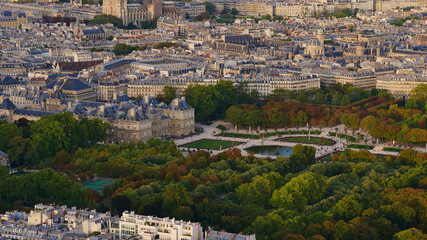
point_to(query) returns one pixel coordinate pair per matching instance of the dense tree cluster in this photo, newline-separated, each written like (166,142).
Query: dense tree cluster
(357,196)
(124,49)
(19,191)
(375,111)
(169,93)
(105,18)
(210,102)
(34,143)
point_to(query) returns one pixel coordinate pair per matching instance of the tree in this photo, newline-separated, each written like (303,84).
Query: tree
(336,98)
(419,94)
(120,203)
(235,115)
(226,96)
(203,100)
(305,189)
(183,213)
(347,12)
(8,131)
(266,17)
(254,118)
(234,11)
(302,118)
(342,231)
(202,17)
(347,208)
(123,49)
(278,18)
(353,120)
(319,98)
(60,159)
(410,234)
(104,19)
(169,94)
(301,157)
(174,196)
(411,104)
(210,8)
(345,100)
(344,120)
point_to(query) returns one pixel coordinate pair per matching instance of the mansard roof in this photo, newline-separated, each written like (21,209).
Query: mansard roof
(73,84)
(179,104)
(34,113)
(93,31)
(7,104)
(8,81)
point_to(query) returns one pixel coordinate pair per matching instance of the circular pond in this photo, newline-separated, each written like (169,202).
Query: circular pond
(271,150)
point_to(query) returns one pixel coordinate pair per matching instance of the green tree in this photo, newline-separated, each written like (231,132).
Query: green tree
(342,231)
(305,189)
(419,94)
(104,19)
(183,213)
(234,11)
(174,196)
(169,94)
(202,17)
(410,234)
(254,118)
(203,100)
(411,104)
(226,96)
(344,120)
(8,131)
(234,115)
(347,208)
(319,98)
(122,49)
(210,8)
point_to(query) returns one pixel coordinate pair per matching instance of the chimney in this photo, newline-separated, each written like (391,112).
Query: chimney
(132,112)
(69,104)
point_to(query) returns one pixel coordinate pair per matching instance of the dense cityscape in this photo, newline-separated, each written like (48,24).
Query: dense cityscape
(213,119)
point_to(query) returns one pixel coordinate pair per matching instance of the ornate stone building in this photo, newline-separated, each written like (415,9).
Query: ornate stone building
(315,47)
(130,121)
(136,13)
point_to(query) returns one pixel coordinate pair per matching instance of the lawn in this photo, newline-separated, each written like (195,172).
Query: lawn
(97,185)
(312,140)
(211,144)
(340,135)
(222,127)
(255,136)
(389,149)
(358,146)
(302,132)
(239,135)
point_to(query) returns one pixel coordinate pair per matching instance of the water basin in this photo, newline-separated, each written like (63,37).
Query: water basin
(271,150)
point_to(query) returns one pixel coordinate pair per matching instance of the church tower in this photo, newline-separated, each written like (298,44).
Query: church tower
(77,27)
(321,36)
(114,7)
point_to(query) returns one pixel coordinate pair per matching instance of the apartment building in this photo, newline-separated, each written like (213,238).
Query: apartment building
(258,9)
(400,85)
(289,10)
(149,227)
